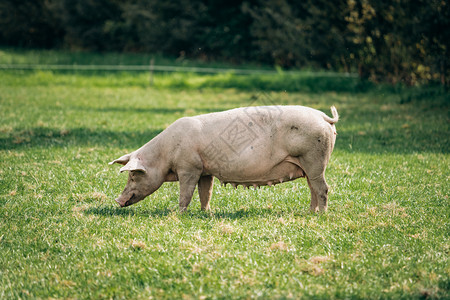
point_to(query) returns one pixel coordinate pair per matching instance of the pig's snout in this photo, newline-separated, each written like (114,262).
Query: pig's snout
(120,202)
(126,203)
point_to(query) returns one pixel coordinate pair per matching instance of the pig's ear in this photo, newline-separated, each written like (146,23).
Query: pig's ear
(123,160)
(134,165)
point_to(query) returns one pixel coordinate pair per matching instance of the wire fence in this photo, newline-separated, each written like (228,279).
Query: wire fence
(160,68)
(164,68)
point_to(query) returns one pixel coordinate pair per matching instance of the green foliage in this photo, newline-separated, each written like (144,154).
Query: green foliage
(30,23)
(393,45)
(384,41)
(386,233)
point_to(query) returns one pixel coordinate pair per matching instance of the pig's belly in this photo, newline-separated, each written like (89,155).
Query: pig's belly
(256,173)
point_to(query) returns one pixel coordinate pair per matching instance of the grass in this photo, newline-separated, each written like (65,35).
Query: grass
(386,234)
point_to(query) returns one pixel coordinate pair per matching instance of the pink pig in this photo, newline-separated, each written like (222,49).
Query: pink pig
(250,146)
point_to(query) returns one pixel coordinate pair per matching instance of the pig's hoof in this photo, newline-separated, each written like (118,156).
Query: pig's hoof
(313,210)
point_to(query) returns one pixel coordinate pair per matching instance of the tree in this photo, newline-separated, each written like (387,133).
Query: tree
(86,23)
(383,40)
(29,23)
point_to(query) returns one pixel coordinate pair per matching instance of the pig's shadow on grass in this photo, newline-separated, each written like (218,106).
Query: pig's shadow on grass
(151,111)
(41,137)
(385,139)
(256,212)
(109,211)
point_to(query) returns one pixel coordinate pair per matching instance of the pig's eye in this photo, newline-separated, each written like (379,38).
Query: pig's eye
(136,175)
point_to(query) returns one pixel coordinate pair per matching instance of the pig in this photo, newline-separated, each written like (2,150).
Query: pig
(249,146)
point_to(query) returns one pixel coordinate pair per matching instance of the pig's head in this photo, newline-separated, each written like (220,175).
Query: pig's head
(143,180)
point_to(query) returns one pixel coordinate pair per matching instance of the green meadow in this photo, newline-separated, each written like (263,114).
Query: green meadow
(385,235)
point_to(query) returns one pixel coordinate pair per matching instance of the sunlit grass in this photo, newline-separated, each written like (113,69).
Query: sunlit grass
(386,234)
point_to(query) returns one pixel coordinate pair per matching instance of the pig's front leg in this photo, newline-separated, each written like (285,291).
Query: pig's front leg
(205,186)
(188,181)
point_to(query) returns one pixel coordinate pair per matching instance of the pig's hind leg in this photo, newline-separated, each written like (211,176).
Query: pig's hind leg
(205,186)
(319,189)
(314,207)
(314,166)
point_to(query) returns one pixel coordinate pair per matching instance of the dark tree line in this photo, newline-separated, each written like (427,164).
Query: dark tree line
(395,41)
